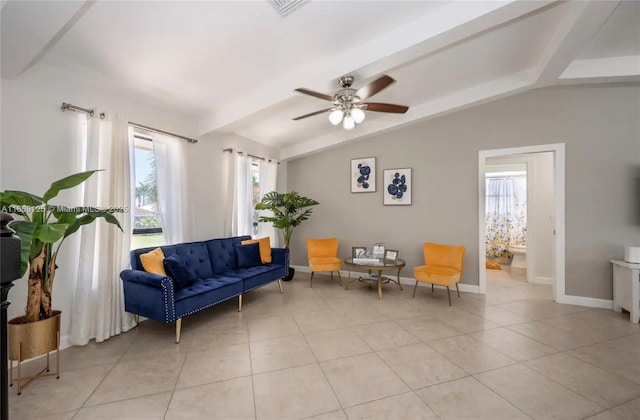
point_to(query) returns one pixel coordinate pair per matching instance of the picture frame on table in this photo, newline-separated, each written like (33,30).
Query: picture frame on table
(363,175)
(391,255)
(378,251)
(397,187)
(358,252)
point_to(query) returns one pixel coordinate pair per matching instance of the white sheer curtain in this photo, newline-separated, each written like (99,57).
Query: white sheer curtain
(243,196)
(98,305)
(228,193)
(506,213)
(268,182)
(173,203)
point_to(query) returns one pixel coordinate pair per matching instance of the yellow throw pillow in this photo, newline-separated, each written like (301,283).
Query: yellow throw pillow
(153,262)
(265,248)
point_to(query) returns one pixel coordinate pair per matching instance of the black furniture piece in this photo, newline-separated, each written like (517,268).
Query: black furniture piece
(9,271)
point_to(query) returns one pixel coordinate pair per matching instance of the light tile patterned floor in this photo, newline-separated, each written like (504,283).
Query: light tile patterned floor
(327,353)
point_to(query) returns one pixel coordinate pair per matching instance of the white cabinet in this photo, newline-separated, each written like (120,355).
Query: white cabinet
(626,288)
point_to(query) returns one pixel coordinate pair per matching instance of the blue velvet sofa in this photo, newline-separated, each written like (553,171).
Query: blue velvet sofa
(218,279)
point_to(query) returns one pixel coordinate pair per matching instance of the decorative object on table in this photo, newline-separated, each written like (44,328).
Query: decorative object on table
(632,254)
(323,257)
(289,211)
(349,104)
(378,251)
(443,266)
(397,187)
(390,254)
(43,226)
(358,251)
(363,175)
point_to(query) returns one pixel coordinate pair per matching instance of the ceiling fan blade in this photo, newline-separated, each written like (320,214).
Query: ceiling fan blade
(314,93)
(379,107)
(312,114)
(374,87)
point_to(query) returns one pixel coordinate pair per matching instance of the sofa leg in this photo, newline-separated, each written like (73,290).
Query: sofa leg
(449,295)
(178,327)
(136,318)
(340,278)
(458,290)
(280,285)
(311,281)
(414,289)
(431,287)
(239,303)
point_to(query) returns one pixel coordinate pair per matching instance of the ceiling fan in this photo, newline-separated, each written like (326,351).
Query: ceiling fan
(348,106)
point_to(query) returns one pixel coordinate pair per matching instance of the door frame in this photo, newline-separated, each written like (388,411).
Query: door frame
(558,150)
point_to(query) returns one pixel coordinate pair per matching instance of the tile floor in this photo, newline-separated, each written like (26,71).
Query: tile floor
(327,353)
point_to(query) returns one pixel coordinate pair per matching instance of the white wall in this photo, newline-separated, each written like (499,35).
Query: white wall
(36,148)
(207,175)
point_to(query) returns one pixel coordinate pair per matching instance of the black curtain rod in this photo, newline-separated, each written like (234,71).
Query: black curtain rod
(229,149)
(67,106)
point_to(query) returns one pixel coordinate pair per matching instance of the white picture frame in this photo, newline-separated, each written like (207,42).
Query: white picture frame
(363,175)
(397,187)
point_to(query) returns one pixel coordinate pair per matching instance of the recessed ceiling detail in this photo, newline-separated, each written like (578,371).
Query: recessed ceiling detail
(286,7)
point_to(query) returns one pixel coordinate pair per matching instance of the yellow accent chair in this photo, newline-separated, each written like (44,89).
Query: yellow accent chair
(323,257)
(443,266)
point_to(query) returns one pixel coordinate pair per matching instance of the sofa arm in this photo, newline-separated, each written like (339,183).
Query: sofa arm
(149,295)
(143,277)
(280,256)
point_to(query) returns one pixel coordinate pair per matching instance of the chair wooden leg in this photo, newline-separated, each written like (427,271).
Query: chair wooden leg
(239,303)
(414,289)
(178,327)
(311,281)
(280,285)
(332,275)
(340,278)
(458,290)
(449,295)
(432,288)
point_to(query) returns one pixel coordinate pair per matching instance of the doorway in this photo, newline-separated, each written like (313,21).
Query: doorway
(528,240)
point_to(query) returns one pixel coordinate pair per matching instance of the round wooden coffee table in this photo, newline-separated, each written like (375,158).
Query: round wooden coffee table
(379,266)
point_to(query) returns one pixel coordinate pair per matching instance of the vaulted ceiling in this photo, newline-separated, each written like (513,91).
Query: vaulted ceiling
(235,64)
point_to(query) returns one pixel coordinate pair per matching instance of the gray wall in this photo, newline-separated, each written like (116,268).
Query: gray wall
(600,126)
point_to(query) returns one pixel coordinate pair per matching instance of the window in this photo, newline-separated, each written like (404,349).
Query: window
(147,226)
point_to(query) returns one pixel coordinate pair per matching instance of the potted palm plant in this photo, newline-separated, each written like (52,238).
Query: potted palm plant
(288,210)
(42,230)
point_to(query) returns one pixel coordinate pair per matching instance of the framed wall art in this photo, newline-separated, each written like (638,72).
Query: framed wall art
(397,187)
(363,175)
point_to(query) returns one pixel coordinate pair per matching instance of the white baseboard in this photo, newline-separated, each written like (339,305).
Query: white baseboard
(586,301)
(542,280)
(409,281)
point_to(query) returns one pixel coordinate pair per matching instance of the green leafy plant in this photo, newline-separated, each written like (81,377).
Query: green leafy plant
(289,211)
(42,230)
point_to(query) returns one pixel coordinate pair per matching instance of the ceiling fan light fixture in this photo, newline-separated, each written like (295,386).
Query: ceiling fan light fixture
(335,116)
(358,115)
(348,123)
